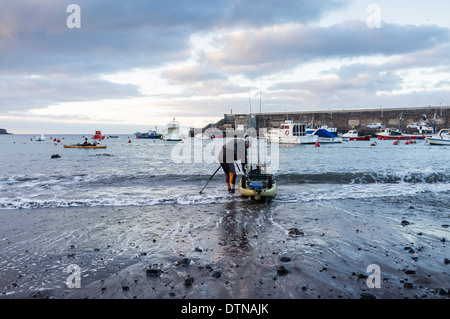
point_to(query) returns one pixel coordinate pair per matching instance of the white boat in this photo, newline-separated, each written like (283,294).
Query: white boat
(440,138)
(291,133)
(40,138)
(202,136)
(353,135)
(324,136)
(172,131)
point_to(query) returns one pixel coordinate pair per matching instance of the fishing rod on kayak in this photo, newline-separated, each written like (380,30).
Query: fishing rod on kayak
(210,178)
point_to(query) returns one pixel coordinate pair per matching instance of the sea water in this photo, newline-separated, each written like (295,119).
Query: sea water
(147,172)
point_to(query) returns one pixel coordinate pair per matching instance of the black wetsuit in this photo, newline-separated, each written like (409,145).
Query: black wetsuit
(232,151)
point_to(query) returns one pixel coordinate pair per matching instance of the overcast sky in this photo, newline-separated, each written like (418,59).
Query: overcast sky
(134,64)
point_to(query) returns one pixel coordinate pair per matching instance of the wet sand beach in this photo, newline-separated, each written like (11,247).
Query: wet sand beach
(234,250)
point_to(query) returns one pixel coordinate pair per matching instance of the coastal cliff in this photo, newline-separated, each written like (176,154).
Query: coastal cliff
(3,131)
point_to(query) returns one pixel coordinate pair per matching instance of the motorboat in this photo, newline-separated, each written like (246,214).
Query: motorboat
(389,134)
(353,135)
(40,138)
(440,138)
(172,131)
(324,136)
(291,133)
(98,136)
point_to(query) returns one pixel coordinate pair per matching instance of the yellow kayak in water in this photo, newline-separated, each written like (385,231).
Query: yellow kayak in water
(258,186)
(84,146)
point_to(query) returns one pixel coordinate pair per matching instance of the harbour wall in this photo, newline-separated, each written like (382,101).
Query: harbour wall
(345,120)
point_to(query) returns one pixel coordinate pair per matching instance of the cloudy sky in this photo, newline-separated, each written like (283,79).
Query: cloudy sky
(134,64)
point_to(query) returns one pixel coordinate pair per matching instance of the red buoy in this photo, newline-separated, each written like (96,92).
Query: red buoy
(317,144)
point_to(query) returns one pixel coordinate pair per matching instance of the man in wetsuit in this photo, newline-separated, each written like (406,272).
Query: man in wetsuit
(232,151)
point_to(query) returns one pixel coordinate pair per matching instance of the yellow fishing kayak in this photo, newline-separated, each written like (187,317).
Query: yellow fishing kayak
(257,189)
(84,146)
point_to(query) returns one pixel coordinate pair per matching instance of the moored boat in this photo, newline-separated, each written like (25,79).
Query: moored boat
(149,135)
(291,133)
(440,138)
(353,135)
(389,134)
(324,136)
(40,138)
(98,136)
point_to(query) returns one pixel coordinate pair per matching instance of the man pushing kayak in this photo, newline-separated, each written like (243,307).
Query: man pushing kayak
(234,150)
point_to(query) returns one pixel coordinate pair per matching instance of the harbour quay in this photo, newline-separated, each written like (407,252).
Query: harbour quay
(344,120)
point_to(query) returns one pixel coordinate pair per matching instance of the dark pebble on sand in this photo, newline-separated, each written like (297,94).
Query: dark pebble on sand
(125,288)
(446,261)
(295,232)
(216,274)
(282,270)
(153,272)
(183,262)
(405,223)
(410,272)
(285,259)
(198,249)
(188,281)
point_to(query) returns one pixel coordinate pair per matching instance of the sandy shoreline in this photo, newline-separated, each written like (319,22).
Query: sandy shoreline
(226,251)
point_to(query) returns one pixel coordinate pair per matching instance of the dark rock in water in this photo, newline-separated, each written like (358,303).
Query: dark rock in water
(445,226)
(446,261)
(153,272)
(405,223)
(188,281)
(282,270)
(410,272)
(56,156)
(198,249)
(295,232)
(411,207)
(285,259)
(183,262)
(367,295)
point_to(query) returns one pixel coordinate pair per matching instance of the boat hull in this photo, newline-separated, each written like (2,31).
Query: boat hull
(361,138)
(400,137)
(437,141)
(81,146)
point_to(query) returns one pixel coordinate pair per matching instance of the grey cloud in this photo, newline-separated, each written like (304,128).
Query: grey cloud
(253,52)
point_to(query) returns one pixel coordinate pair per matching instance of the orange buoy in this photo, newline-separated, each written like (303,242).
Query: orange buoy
(317,144)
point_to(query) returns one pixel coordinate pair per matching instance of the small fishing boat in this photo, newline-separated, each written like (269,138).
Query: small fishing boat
(353,135)
(441,138)
(98,136)
(40,138)
(84,146)
(324,136)
(149,135)
(389,134)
